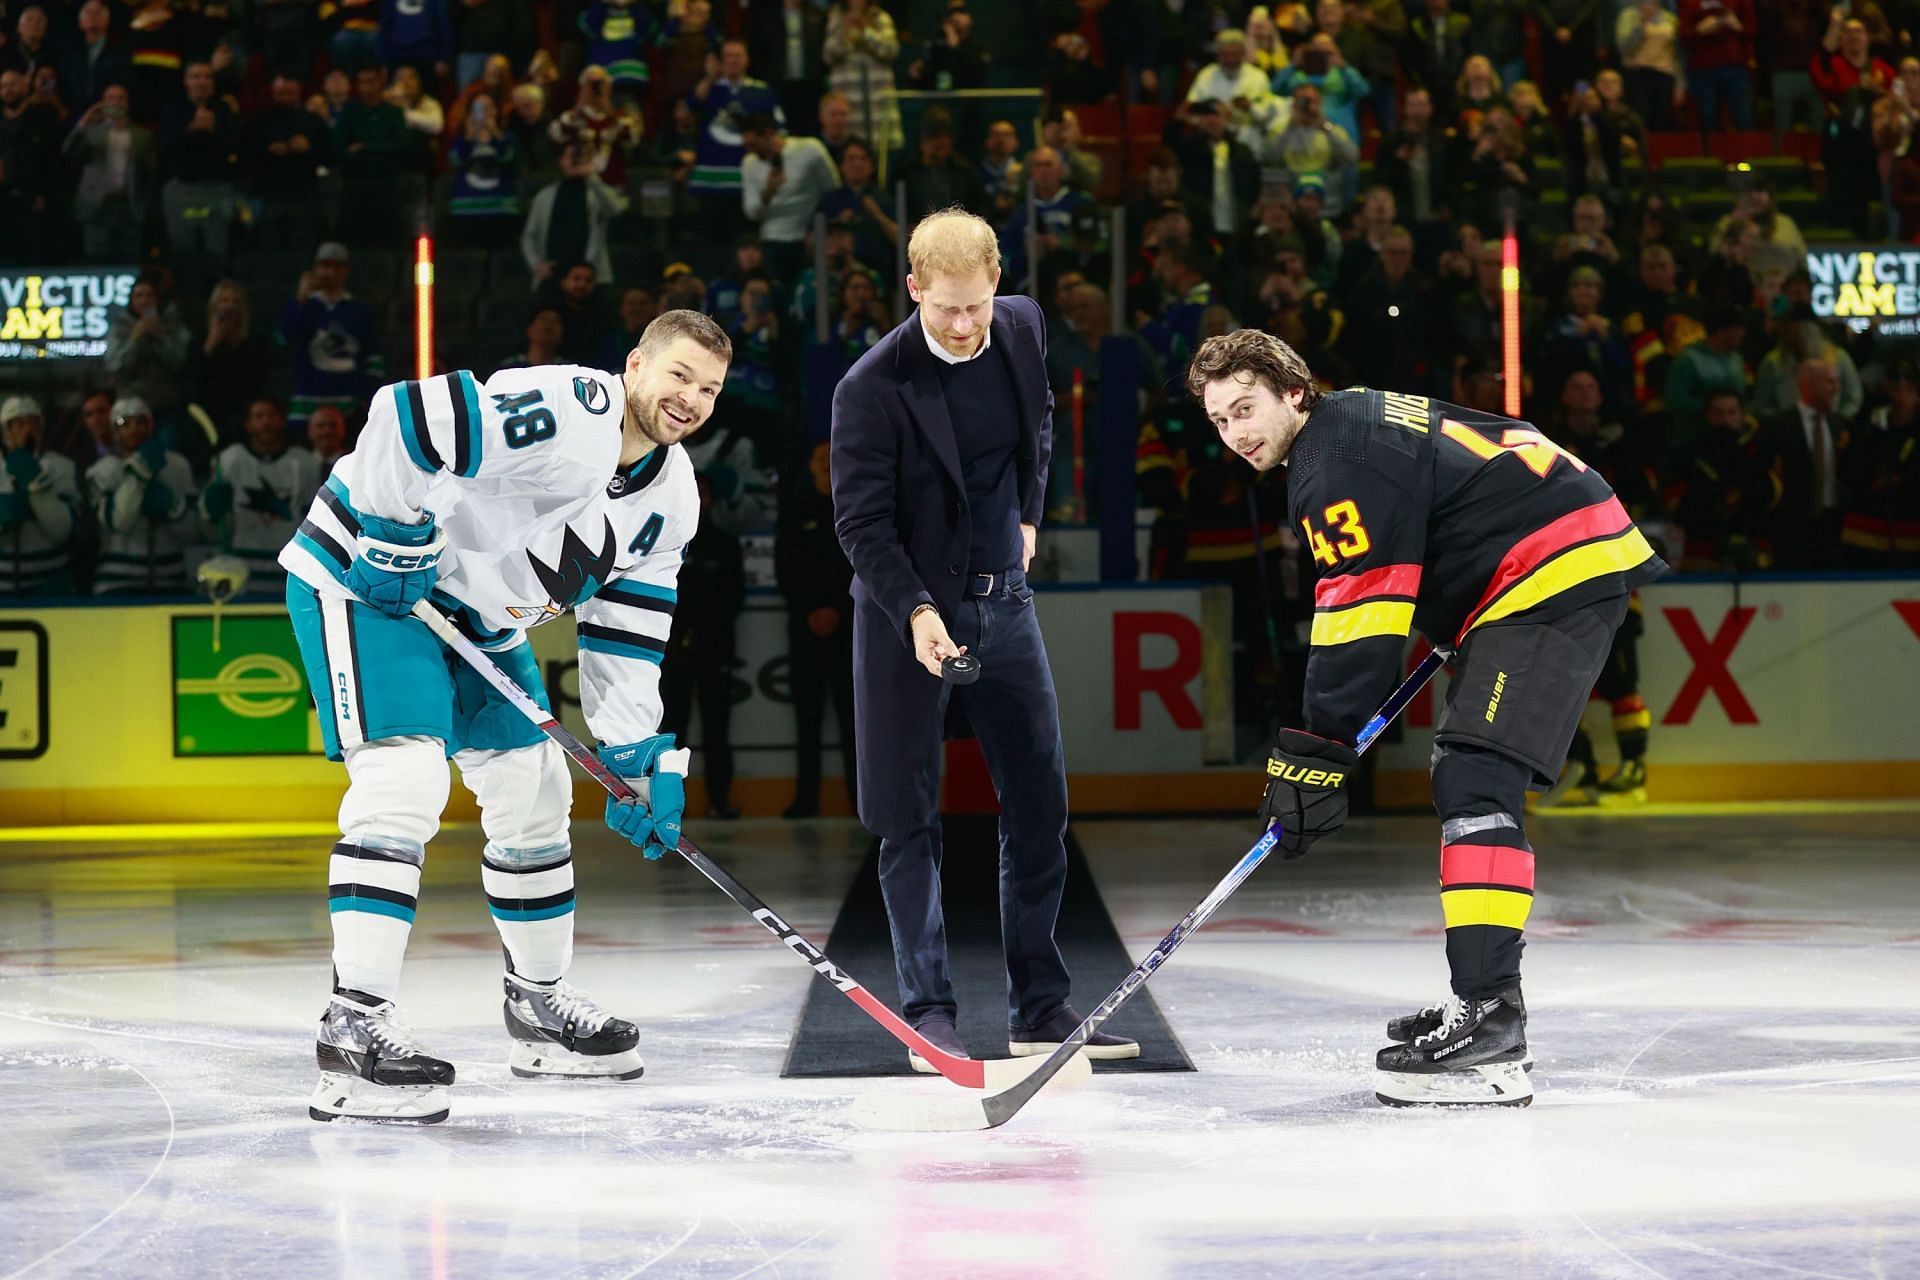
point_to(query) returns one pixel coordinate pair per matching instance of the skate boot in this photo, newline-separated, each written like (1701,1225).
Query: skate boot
(1578,788)
(1407,1029)
(1627,785)
(558,1030)
(1472,1057)
(371,1068)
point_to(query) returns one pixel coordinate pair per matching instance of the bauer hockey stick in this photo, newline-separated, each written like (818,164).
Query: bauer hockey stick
(950,1114)
(971,1073)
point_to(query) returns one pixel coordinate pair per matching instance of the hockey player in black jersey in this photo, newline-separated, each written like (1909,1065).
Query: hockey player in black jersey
(1481,534)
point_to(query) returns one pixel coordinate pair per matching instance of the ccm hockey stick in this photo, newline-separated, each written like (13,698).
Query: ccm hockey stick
(950,1114)
(971,1073)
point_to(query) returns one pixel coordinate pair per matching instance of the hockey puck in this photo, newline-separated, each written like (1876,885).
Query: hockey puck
(961,668)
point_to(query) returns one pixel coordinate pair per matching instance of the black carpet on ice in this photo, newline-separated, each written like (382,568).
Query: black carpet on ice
(836,1038)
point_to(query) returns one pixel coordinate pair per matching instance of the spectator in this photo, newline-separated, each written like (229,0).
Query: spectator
(147,348)
(1001,174)
(259,493)
(813,575)
(619,32)
(700,651)
(1538,133)
(583,314)
(860,51)
(723,292)
(1720,491)
(1392,322)
(862,320)
(840,261)
(567,220)
(1478,314)
(1851,80)
(485,207)
(1727,275)
(1718,35)
(157,40)
(1792,29)
(488,29)
(1630,125)
(117,161)
(421,109)
(1803,443)
(1582,338)
(1313,146)
(1881,479)
(856,204)
(372,142)
(1569,41)
(334,338)
(1163,192)
(97,61)
(1223,177)
(39,496)
(495,84)
(1797,340)
(1590,148)
(1903,194)
(1437,43)
(544,332)
(1649,37)
(417,34)
(30,164)
(286,36)
(199,153)
(1371,42)
(1498,34)
(1781,249)
(230,366)
(1049,211)
(1073,77)
(836,123)
(692,41)
(937,178)
(142,496)
(1060,129)
(530,127)
(29,50)
(595,127)
(638,308)
(782,181)
(1378,215)
(724,97)
(1712,364)
(1475,92)
(1320,63)
(1415,164)
(91,436)
(1498,171)
(785,40)
(287,146)
(1587,244)
(355,38)
(1238,88)
(336,92)
(1894,117)
(1265,49)
(1180,269)
(327,437)
(1657,322)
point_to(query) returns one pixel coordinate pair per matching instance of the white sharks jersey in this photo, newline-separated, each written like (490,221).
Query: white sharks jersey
(523,474)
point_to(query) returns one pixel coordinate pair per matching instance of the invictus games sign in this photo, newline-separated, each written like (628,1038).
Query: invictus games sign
(1866,286)
(59,313)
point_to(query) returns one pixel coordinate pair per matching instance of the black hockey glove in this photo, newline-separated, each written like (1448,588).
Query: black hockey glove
(1307,782)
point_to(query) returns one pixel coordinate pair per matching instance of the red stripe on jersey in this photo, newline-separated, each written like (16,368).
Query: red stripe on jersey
(1388,580)
(1526,555)
(1485,864)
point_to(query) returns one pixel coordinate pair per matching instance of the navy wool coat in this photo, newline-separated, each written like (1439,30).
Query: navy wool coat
(900,509)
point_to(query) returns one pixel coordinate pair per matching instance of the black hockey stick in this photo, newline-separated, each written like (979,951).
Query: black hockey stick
(945,1114)
(971,1073)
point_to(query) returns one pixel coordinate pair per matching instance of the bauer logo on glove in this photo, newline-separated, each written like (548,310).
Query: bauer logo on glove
(1306,792)
(1277,768)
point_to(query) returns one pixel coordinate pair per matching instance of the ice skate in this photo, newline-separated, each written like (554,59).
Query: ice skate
(1472,1057)
(1626,785)
(558,1030)
(1410,1027)
(371,1067)
(1577,788)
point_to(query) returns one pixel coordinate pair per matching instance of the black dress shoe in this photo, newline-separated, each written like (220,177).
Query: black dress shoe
(801,809)
(722,812)
(945,1036)
(1028,1042)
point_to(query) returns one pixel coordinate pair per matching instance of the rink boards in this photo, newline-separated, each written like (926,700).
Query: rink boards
(1757,689)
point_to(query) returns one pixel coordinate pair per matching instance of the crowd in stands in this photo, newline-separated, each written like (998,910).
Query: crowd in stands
(1340,173)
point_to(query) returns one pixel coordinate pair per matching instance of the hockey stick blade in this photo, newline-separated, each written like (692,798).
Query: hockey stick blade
(958,1114)
(969,1073)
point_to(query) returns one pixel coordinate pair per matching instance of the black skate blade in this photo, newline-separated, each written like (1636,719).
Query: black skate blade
(328,1117)
(1462,1102)
(524,1074)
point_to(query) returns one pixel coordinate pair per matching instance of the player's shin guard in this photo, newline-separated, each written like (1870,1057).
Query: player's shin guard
(1631,724)
(1486,866)
(530,893)
(373,890)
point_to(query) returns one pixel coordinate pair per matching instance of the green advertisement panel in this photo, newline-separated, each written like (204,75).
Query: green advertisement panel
(245,697)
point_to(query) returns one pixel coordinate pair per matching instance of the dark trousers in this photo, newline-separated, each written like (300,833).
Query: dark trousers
(1014,714)
(817,665)
(1650,95)
(711,684)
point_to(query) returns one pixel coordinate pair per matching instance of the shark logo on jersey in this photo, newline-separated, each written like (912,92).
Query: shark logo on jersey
(578,574)
(592,395)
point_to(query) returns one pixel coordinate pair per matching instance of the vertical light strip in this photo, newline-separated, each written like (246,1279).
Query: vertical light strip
(1510,316)
(423,315)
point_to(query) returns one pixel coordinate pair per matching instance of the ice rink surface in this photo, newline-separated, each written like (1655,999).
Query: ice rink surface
(1723,1007)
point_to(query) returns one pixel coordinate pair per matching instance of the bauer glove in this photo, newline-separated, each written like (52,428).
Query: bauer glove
(395,565)
(1307,782)
(658,774)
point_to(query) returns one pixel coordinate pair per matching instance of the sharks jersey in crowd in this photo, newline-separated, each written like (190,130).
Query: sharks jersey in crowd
(1423,515)
(266,494)
(523,473)
(39,494)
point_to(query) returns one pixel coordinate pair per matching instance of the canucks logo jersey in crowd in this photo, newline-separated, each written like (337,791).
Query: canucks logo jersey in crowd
(523,473)
(1423,515)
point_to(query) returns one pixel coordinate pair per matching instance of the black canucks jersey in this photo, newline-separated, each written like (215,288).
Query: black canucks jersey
(1421,514)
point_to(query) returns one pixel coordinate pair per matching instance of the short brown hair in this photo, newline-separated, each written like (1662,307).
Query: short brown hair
(1251,355)
(952,242)
(669,325)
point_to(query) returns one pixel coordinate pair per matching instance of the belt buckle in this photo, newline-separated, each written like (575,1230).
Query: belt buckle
(974,587)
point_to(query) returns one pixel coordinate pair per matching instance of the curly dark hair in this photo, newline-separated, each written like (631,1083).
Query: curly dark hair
(1252,355)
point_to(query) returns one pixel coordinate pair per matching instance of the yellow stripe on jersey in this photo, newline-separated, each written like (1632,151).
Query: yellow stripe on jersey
(1562,573)
(1381,618)
(1500,907)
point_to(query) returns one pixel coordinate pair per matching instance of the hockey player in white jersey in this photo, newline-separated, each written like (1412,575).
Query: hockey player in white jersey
(256,488)
(505,503)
